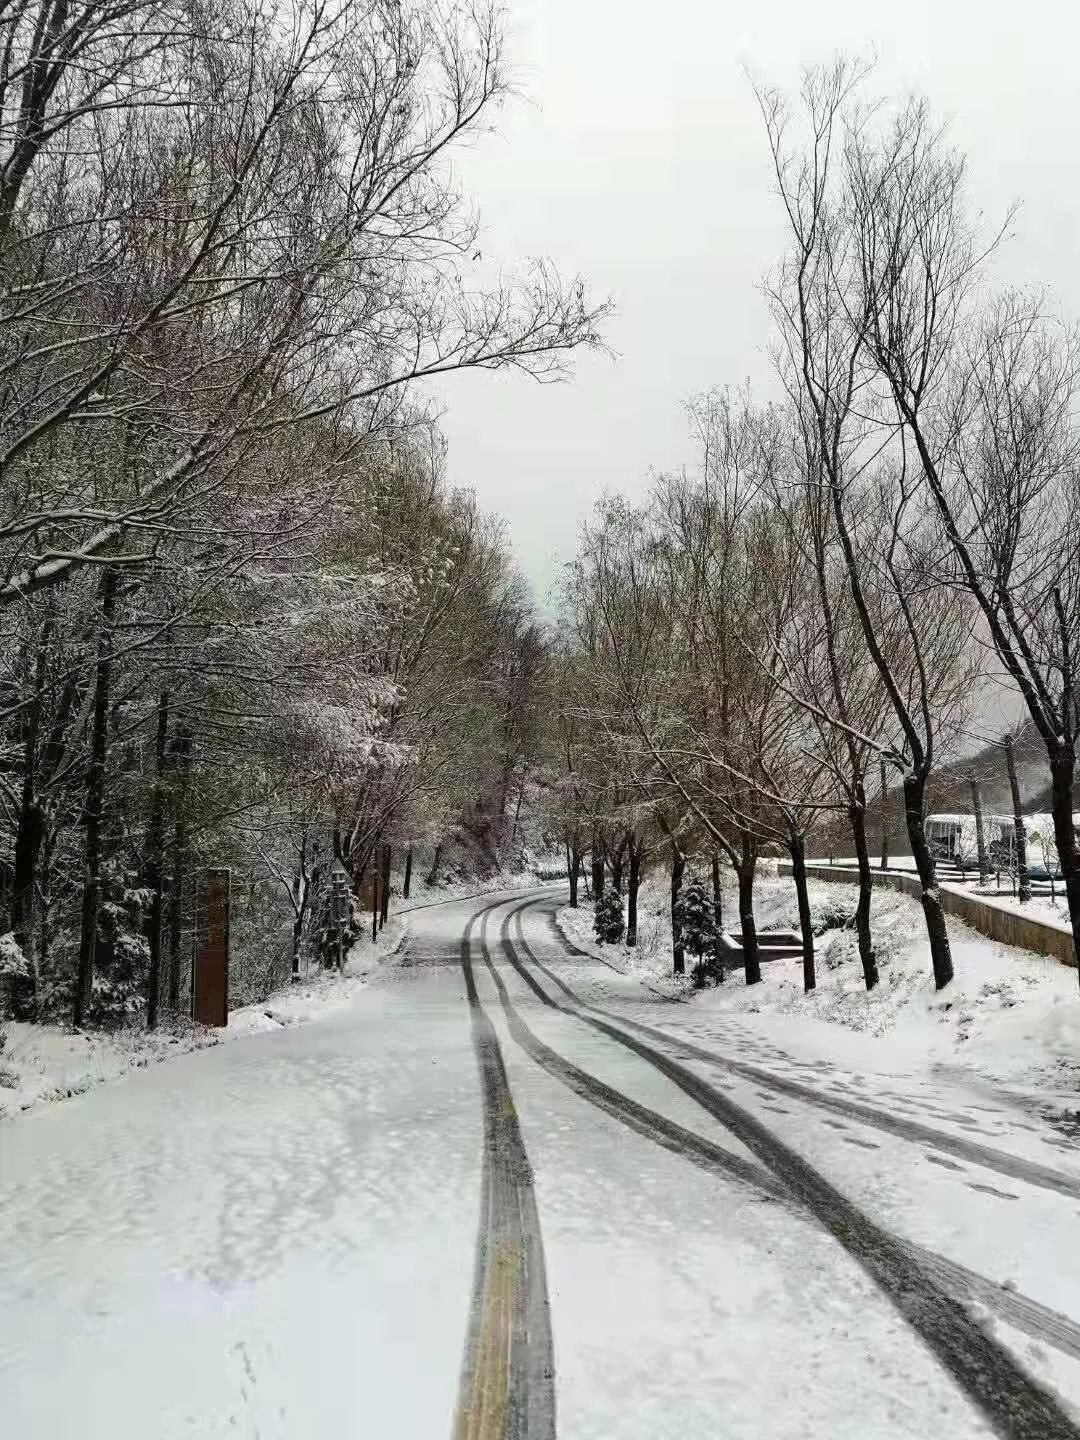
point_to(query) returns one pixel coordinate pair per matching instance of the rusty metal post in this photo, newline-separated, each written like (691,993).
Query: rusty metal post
(210,980)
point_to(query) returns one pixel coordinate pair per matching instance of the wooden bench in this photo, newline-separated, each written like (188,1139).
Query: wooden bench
(772,945)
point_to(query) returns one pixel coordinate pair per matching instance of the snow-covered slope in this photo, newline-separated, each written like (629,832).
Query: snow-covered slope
(1009,1014)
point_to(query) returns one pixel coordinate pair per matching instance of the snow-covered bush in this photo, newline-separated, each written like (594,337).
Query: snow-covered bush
(550,866)
(842,948)
(608,924)
(12,960)
(122,954)
(119,990)
(13,971)
(830,915)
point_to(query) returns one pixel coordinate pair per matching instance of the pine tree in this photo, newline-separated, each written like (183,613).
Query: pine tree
(608,917)
(699,933)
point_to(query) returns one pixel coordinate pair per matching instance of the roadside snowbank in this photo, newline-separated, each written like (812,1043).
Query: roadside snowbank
(1009,1014)
(1042,905)
(50,1062)
(650,960)
(1047,901)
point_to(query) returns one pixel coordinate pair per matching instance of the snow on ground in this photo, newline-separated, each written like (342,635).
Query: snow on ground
(1042,905)
(53,1062)
(807,1358)
(278,1238)
(681,1305)
(272,1238)
(1047,897)
(650,959)
(1009,1015)
(838,1092)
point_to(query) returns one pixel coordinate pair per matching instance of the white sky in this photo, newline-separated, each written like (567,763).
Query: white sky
(638,159)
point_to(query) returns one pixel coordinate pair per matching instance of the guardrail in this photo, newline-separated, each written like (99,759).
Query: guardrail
(1010,927)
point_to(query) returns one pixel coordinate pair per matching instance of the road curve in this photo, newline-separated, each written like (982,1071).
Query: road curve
(1014,1405)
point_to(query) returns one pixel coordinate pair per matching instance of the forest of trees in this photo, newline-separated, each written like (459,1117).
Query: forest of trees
(246,623)
(811,615)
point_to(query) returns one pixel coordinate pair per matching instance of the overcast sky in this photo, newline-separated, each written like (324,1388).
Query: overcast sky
(638,160)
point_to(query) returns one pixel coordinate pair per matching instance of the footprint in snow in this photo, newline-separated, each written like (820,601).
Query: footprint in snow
(943,1162)
(992,1190)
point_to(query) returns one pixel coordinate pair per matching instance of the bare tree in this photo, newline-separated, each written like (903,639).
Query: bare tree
(987,403)
(828,313)
(273,240)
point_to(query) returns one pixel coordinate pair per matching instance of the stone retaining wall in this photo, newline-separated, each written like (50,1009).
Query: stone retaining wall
(1008,926)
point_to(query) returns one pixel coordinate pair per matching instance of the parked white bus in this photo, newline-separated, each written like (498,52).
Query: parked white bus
(951,837)
(952,840)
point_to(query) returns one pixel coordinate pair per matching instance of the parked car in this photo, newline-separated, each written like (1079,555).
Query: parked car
(1044,872)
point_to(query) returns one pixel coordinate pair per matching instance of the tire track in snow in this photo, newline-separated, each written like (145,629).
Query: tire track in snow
(1038,1321)
(507,1384)
(1030,1316)
(656,1127)
(1014,1404)
(1022,1313)
(986,1156)
(1033,1319)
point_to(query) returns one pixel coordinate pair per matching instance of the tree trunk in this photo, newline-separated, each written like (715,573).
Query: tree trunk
(182,761)
(95,804)
(631,894)
(44,864)
(597,866)
(572,873)
(433,873)
(29,833)
(1023,883)
(297,939)
(857,816)
(406,882)
(678,868)
(797,848)
(884,828)
(155,863)
(940,953)
(297,936)
(980,831)
(617,871)
(1062,776)
(387,861)
(746,868)
(718,916)
(300,890)
(517,811)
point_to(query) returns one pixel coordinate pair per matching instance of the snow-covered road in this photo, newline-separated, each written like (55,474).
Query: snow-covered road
(510,1192)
